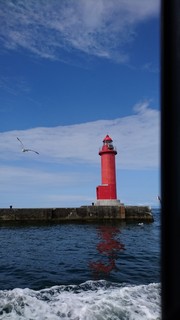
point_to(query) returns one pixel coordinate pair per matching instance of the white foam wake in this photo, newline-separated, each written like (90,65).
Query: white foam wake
(93,300)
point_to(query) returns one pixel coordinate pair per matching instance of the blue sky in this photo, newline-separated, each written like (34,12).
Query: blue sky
(72,72)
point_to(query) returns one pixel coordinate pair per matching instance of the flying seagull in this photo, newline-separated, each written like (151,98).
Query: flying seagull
(25,149)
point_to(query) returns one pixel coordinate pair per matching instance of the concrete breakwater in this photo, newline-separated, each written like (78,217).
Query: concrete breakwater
(84,213)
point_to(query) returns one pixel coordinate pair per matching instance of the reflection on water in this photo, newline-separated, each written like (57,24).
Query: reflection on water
(108,249)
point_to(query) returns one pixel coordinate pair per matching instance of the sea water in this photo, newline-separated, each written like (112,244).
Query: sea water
(80,271)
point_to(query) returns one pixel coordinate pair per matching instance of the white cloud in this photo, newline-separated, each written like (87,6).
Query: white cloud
(99,28)
(136,138)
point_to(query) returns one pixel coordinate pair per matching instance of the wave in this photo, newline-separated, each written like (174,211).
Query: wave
(91,300)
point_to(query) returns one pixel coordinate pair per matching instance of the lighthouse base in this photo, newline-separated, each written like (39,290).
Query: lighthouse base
(112,202)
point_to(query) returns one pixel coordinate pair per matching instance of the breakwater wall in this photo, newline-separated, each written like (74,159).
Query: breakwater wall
(84,213)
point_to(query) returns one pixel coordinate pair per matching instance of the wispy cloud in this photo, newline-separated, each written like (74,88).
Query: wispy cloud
(136,138)
(49,28)
(14,85)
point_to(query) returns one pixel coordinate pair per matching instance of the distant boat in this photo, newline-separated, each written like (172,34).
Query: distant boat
(159,198)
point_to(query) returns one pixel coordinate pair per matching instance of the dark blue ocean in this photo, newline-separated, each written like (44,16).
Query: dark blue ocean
(103,271)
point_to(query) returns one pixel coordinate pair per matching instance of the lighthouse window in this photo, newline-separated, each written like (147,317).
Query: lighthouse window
(110,145)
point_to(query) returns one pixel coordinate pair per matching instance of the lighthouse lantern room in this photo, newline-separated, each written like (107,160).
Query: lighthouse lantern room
(106,192)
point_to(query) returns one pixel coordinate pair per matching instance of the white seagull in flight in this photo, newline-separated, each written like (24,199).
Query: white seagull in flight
(25,149)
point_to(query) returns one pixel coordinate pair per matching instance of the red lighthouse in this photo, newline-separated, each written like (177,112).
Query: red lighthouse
(106,192)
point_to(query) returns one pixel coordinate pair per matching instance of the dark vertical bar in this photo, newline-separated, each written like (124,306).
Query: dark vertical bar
(170,157)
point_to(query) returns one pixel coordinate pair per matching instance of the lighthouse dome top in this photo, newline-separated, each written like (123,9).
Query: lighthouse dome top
(107,146)
(107,138)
